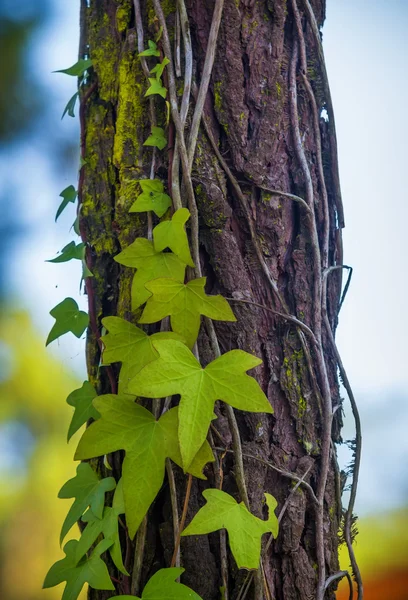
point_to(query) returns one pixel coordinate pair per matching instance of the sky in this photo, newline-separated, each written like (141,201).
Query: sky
(365,45)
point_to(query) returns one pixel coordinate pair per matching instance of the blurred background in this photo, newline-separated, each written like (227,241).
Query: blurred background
(365,46)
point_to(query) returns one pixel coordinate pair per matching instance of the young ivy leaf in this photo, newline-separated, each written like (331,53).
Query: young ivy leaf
(184,303)
(70,107)
(68,195)
(88,490)
(78,68)
(150,264)
(172,234)
(69,252)
(125,425)
(131,346)
(177,371)
(156,87)
(81,400)
(152,198)
(89,570)
(156,138)
(108,526)
(151,51)
(67,317)
(244,529)
(162,585)
(159,68)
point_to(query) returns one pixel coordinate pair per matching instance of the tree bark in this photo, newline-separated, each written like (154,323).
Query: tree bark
(249,112)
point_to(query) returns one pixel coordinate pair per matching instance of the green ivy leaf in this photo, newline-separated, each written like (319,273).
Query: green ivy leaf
(172,234)
(163,585)
(156,138)
(184,303)
(81,400)
(92,570)
(131,346)
(159,68)
(156,88)
(67,317)
(125,425)
(68,195)
(150,264)
(88,490)
(152,198)
(108,526)
(244,529)
(78,68)
(177,371)
(151,51)
(69,252)
(70,107)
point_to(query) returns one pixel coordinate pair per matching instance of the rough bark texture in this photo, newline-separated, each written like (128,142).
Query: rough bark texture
(248,107)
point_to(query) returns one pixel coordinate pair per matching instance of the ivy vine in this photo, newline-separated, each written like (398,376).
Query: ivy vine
(159,365)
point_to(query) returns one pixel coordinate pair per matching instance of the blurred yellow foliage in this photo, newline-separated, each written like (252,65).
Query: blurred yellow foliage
(33,390)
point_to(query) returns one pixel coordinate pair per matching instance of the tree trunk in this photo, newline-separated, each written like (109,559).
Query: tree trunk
(257,248)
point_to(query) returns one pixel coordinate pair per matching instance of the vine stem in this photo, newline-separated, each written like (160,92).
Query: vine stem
(174,508)
(138,558)
(357,458)
(182,521)
(205,79)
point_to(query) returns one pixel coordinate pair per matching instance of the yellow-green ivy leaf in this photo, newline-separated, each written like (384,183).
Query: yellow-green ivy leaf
(67,317)
(131,346)
(172,234)
(152,198)
(150,264)
(90,570)
(151,51)
(184,303)
(156,87)
(163,586)
(156,138)
(70,107)
(78,68)
(88,490)
(159,68)
(108,526)
(70,252)
(81,400)
(244,529)
(125,425)
(177,371)
(68,195)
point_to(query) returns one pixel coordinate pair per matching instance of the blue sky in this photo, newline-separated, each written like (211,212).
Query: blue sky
(365,48)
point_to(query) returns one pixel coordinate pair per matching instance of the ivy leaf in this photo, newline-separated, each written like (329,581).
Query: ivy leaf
(78,68)
(156,87)
(92,570)
(88,490)
(69,252)
(177,371)
(172,234)
(151,51)
(68,195)
(152,198)
(159,68)
(150,264)
(70,107)
(67,317)
(131,346)
(244,529)
(156,138)
(125,425)
(108,526)
(184,303)
(81,400)
(163,585)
